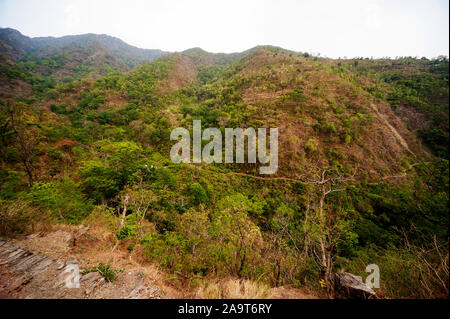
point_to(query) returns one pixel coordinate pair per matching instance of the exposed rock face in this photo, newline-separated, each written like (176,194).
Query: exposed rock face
(350,286)
(24,274)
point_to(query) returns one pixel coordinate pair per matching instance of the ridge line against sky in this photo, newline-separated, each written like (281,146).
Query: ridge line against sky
(347,28)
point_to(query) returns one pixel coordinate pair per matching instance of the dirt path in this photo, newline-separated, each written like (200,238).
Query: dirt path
(289,179)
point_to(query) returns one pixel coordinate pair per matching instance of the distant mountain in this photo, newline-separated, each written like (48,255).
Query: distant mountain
(220,59)
(69,57)
(13,45)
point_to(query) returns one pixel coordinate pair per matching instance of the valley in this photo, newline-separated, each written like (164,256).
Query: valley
(362,178)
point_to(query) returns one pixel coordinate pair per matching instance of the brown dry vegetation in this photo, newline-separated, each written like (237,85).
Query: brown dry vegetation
(382,138)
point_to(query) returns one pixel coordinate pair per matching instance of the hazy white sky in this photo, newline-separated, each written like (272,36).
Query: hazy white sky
(333,28)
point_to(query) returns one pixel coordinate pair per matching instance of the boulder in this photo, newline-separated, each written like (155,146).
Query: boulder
(349,286)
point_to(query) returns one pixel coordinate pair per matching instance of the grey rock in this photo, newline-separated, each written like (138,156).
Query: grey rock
(138,292)
(41,266)
(17,254)
(7,251)
(34,235)
(155,292)
(92,276)
(18,258)
(349,286)
(95,280)
(70,240)
(71,261)
(28,262)
(30,275)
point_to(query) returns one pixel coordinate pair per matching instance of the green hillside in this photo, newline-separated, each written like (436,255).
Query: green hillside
(40,63)
(363,161)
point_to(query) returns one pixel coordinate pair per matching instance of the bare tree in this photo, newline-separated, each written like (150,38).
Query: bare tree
(323,224)
(139,199)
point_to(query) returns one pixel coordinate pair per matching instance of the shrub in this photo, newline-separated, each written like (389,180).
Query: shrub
(329,128)
(63,199)
(299,188)
(311,146)
(165,178)
(11,184)
(106,271)
(90,100)
(197,194)
(126,231)
(60,109)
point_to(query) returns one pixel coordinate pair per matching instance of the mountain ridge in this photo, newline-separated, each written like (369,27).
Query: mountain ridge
(56,59)
(15,37)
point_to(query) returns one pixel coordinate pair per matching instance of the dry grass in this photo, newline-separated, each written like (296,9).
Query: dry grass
(233,289)
(20,217)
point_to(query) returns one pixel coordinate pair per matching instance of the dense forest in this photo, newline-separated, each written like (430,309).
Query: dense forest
(85,128)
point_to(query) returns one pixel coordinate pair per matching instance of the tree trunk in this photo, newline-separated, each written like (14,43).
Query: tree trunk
(29,171)
(124,211)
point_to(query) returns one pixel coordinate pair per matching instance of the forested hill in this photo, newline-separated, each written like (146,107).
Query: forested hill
(44,61)
(362,178)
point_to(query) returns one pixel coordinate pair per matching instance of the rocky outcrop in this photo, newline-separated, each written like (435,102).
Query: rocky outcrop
(24,274)
(349,286)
